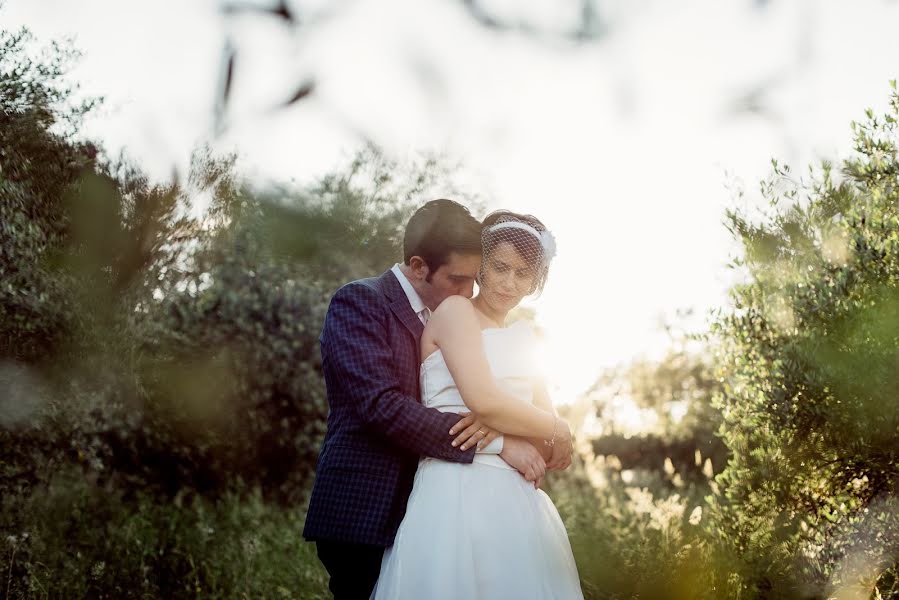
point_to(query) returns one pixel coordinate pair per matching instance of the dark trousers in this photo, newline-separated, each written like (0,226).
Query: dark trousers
(353,568)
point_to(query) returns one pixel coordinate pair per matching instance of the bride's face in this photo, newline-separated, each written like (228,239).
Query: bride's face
(506,277)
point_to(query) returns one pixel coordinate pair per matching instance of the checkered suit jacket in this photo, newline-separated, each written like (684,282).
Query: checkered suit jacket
(377,427)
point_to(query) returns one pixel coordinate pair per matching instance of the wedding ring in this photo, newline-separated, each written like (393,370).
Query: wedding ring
(482,432)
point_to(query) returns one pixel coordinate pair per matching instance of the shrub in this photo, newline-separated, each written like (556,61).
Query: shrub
(77,539)
(810,398)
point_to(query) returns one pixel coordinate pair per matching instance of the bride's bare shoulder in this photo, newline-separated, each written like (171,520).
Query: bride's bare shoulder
(454,308)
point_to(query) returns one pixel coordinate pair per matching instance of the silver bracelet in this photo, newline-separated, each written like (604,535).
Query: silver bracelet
(552,442)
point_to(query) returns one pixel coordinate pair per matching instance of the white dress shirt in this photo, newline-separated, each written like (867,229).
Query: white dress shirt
(415,301)
(424,313)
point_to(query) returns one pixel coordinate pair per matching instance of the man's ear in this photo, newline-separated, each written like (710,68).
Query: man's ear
(419,268)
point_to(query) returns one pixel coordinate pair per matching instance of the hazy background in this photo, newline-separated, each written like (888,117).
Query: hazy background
(543,119)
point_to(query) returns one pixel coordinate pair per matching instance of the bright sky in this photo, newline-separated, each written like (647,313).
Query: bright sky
(622,146)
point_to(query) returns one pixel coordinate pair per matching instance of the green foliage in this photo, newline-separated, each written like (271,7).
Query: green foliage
(76,539)
(634,501)
(38,163)
(810,396)
(640,537)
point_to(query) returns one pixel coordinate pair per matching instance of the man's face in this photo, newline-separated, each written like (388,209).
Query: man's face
(454,278)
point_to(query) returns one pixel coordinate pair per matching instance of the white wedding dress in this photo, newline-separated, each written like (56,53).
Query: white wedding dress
(479,530)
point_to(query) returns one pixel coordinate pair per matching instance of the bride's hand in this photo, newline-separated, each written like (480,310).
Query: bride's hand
(472,432)
(522,456)
(561,449)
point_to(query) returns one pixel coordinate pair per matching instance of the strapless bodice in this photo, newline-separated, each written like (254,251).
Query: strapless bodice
(510,354)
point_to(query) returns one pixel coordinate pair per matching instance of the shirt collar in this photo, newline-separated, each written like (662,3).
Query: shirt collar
(411,294)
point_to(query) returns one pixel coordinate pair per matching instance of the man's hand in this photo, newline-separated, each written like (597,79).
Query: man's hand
(472,432)
(562,448)
(523,457)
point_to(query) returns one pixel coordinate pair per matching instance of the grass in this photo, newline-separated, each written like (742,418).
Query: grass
(77,540)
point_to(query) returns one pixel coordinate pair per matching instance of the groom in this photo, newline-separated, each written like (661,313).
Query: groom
(377,427)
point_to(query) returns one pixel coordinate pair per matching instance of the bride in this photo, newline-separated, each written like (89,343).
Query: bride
(483,530)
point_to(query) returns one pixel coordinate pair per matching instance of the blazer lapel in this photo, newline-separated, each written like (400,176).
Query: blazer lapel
(404,313)
(400,306)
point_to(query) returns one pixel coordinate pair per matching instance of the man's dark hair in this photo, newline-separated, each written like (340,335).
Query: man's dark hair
(439,228)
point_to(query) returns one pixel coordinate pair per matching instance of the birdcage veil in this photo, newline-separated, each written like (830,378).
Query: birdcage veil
(530,239)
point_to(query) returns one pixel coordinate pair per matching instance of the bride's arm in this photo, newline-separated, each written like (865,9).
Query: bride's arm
(457,333)
(557,459)
(543,402)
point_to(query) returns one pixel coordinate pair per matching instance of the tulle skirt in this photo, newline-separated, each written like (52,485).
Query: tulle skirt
(478,531)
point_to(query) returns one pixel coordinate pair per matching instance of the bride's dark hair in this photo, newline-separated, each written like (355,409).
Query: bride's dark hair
(529,247)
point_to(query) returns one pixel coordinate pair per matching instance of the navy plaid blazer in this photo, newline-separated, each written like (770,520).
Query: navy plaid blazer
(377,426)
